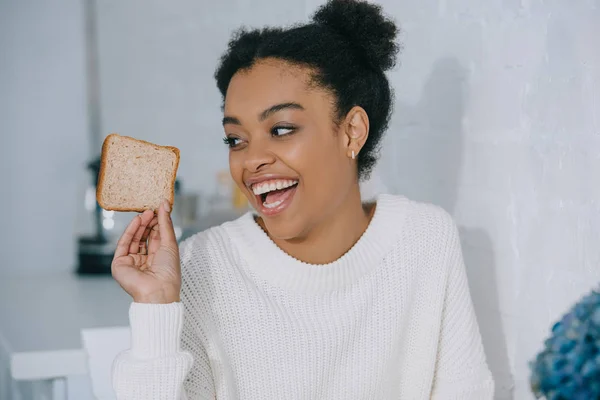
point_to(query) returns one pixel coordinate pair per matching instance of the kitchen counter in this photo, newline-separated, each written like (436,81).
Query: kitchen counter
(41,319)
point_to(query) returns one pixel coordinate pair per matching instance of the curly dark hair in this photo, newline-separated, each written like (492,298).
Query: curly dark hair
(349,44)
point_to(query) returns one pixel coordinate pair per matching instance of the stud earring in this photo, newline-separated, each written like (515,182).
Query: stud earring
(353,155)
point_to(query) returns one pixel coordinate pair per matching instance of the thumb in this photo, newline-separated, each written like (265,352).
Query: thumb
(165,225)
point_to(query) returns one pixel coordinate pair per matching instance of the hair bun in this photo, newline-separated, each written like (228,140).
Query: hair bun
(364,26)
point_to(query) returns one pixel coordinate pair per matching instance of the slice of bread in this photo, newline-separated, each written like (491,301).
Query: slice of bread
(136,175)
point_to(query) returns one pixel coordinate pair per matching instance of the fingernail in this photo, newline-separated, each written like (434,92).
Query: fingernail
(166,206)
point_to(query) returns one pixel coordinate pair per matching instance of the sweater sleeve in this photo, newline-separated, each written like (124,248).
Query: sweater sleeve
(155,366)
(461,369)
(165,361)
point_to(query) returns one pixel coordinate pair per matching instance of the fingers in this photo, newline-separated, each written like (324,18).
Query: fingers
(165,225)
(127,237)
(154,240)
(138,260)
(149,228)
(148,263)
(144,246)
(136,243)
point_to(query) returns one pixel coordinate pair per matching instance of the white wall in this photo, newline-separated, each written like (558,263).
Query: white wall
(43,128)
(497,119)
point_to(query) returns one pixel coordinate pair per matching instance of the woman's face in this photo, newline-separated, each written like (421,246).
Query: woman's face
(286,153)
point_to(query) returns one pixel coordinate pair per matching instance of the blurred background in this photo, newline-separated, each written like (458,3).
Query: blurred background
(497,119)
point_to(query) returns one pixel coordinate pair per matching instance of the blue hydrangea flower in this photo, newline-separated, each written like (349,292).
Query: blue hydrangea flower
(568,368)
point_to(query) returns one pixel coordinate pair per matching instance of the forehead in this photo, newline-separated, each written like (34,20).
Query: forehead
(270,82)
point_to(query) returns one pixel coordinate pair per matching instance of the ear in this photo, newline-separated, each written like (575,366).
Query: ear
(356,130)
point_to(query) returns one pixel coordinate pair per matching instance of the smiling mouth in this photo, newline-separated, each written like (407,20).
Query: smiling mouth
(272,194)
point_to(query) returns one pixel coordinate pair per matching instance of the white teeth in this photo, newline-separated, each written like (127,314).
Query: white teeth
(272,205)
(265,187)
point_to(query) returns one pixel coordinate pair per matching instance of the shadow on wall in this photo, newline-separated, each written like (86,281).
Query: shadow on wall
(429,147)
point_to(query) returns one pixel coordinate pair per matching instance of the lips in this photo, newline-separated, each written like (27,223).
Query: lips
(272,185)
(273,195)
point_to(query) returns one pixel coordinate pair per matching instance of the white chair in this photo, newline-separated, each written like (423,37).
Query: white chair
(102,346)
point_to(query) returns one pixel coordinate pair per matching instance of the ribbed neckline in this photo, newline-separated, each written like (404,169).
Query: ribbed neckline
(272,264)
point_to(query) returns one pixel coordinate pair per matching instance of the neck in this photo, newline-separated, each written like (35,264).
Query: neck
(333,237)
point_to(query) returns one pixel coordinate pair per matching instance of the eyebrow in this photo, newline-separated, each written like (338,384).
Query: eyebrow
(266,113)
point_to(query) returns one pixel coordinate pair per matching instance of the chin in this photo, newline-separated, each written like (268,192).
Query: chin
(282,228)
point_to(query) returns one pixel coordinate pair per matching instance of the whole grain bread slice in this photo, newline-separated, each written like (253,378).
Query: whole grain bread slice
(136,175)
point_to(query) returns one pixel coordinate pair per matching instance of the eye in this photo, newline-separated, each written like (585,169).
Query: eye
(231,141)
(282,130)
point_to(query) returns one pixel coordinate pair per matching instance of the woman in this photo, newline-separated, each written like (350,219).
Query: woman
(316,295)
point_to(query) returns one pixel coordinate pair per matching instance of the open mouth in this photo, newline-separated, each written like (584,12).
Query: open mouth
(274,193)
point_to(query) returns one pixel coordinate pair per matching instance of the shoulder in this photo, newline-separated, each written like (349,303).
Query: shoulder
(209,253)
(427,229)
(419,216)
(432,219)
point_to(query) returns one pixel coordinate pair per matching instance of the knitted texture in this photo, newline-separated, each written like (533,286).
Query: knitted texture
(390,319)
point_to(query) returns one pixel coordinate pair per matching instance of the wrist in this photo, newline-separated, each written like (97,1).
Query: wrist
(158,297)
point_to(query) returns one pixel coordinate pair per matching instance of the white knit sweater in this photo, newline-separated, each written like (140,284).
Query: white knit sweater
(391,319)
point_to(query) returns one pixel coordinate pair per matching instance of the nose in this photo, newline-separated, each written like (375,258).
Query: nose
(258,157)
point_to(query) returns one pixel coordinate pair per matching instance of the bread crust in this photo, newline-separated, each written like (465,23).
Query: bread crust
(101,174)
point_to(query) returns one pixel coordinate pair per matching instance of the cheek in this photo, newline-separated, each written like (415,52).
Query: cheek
(319,161)
(306,156)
